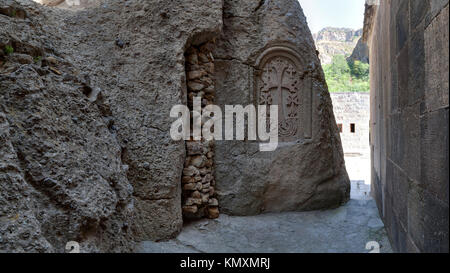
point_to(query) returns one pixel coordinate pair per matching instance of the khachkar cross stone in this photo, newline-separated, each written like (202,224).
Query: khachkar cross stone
(281,82)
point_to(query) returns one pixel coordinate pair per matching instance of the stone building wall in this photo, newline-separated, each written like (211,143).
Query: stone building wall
(353,108)
(409,43)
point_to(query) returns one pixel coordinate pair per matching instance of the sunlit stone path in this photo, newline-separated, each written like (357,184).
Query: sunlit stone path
(344,230)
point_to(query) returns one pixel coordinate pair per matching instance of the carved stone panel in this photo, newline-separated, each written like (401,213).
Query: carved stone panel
(280,80)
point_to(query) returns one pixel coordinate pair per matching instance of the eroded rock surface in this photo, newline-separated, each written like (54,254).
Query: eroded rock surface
(85,98)
(86,93)
(347,229)
(307,171)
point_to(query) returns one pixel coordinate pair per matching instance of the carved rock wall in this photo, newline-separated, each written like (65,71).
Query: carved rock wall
(87,97)
(85,106)
(307,171)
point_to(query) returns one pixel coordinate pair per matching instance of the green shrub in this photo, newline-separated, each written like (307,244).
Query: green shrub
(343,76)
(37,59)
(9,50)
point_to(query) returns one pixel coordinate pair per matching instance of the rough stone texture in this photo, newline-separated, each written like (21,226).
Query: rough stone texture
(49,2)
(85,99)
(86,93)
(70,4)
(199,198)
(344,230)
(409,59)
(64,156)
(303,174)
(337,41)
(360,52)
(353,108)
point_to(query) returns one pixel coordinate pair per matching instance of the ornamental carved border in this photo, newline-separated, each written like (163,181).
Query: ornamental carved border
(280,79)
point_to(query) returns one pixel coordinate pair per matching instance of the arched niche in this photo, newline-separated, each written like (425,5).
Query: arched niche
(280,79)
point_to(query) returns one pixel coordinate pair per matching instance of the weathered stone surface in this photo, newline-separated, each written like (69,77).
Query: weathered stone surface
(332,41)
(17,219)
(360,52)
(213,213)
(199,161)
(349,227)
(409,125)
(307,170)
(86,152)
(90,132)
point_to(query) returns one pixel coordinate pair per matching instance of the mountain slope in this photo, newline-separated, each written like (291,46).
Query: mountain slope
(336,41)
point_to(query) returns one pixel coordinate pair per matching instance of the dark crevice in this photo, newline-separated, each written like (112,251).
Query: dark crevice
(261,3)
(13,12)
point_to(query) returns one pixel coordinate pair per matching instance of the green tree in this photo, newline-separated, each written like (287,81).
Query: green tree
(342,76)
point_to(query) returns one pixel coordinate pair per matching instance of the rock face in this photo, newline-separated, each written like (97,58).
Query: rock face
(85,102)
(336,41)
(360,53)
(337,34)
(61,171)
(307,170)
(86,153)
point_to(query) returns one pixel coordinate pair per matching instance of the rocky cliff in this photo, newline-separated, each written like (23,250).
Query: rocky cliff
(336,41)
(360,52)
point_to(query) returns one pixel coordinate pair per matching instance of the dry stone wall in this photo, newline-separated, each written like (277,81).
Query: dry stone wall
(198,175)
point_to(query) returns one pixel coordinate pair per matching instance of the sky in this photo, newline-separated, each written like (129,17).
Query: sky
(333,13)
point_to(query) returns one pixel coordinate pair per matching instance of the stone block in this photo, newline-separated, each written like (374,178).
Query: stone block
(416,228)
(189,187)
(190,209)
(402,25)
(436,225)
(410,141)
(418,11)
(199,161)
(416,53)
(436,7)
(190,171)
(437,62)
(403,77)
(193,201)
(434,158)
(400,195)
(213,212)
(195,148)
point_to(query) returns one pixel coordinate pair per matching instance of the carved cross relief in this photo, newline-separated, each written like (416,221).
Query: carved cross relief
(280,82)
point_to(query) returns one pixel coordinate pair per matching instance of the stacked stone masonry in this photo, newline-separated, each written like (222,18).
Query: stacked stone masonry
(352,109)
(198,175)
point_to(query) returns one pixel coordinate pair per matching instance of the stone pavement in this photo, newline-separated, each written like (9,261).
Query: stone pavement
(344,230)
